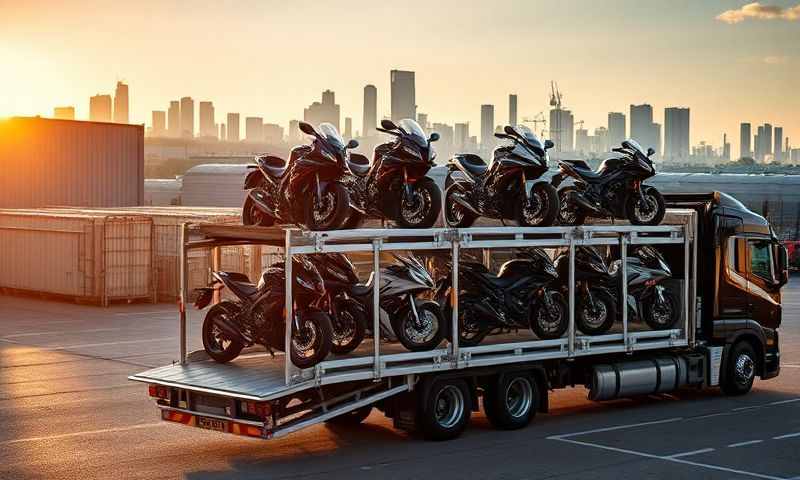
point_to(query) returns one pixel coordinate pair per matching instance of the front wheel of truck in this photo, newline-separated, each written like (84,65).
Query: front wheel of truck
(740,369)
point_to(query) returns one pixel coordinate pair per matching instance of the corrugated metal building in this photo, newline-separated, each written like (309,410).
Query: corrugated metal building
(66,162)
(214,185)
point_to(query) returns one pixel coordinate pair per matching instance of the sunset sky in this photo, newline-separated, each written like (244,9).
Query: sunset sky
(272,58)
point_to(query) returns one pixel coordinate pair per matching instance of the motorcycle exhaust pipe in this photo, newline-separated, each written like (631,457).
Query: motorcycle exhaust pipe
(231,331)
(582,202)
(459,199)
(260,202)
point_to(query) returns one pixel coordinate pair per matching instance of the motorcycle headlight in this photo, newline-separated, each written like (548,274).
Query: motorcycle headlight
(414,152)
(328,156)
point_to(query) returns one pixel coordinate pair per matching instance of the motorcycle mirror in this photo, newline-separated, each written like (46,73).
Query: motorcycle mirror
(548,144)
(388,124)
(509,130)
(650,152)
(353,143)
(307,128)
(434,137)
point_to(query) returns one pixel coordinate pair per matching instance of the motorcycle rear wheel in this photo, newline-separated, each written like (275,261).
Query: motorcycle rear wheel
(216,344)
(455,215)
(252,215)
(568,212)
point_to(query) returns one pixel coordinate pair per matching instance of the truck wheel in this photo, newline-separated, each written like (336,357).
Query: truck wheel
(354,417)
(510,401)
(740,369)
(444,414)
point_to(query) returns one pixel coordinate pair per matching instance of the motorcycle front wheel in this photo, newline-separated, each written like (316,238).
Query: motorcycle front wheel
(253,215)
(662,315)
(328,212)
(217,344)
(422,335)
(311,343)
(423,208)
(540,208)
(547,324)
(568,212)
(649,209)
(598,317)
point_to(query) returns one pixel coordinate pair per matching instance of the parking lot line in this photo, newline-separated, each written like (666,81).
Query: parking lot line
(617,427)
(788,435)
(78,434)
(689,454)
(742,444)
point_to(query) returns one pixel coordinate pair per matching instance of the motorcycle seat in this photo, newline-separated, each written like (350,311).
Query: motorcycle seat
(360,290)
(273,166)
(501,282)
(583,169)
(358,164)
(471,163)
(239,284)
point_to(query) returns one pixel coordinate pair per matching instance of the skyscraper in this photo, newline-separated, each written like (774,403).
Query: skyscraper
(273,133)
(676,135)
(233,127)
(100,108)
(348,128)
(174,119)
(487,127)
(159,123)
(206,114)
(254,129)
(643,130)
(370,110)
(327,111)
(295,135)
(767,139)
(187,117)
(512,109)
(223,132)
(726,148)
(121,103)
(64,113)
(758,144)
(744,140)
(562,129)
(404,100)
(777,149)
(583,143)
(461,135)
(616,129)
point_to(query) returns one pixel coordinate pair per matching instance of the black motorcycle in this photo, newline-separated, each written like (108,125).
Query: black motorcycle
(595,302)
(403,316)
(306,191)
(615,190)
(395,187)
(521,295)
(473,189)
(257,315)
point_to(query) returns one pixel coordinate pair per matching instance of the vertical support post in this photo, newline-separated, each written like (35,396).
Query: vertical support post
(693,325)
(454,349)
(287,250)
(376,306)
(182,295)
(255,263)
(686,267)
(623,252)
(571,330)
(487,258)
(216,266)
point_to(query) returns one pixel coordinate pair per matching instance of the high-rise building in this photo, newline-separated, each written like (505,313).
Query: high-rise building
(348,128)
(512,109)
(327,111)
(174,119)
(273,133)
(758,144)
(562,129)
(487,127)
(64,113)
(223,132)
(100,108)
(159,123)
(444,147)
(777,149)
(254,129)
(643,130)
(583,142)
(744,140)
(600,141)
(422,119)
(460,136)
(233,127)
(676,135)
(295,135)
(404,100)
(795,156)
(370,111)
(206,115)
(767,139)
(121,103)
(616,129)
(187,117)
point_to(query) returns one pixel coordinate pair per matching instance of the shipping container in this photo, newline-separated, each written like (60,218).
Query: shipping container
(66,162)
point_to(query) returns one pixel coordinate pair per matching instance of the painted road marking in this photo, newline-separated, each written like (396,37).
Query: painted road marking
(742,444)
(693,452)
(618,427)
(62,332)
(78,434)
(138,314)
(788,435)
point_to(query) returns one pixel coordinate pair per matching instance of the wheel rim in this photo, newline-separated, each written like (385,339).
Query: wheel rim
(304,341)
(647,210)
(415,209)
(468,329)
(449,405)
(327,208)
(662,312)
(566,214)
(744,369)
(519,397)
(219,342)
(345,330)
(549,323)
(455,213)
(425,331)
(595,316)
(534,210)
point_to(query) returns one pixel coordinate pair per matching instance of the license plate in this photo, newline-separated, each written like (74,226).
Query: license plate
(212,424)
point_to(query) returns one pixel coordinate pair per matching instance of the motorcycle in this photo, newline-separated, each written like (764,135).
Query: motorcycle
(595,302)
(615,190)
(395,186)
(304,190)
(473,189)
(257,315)
(521,295)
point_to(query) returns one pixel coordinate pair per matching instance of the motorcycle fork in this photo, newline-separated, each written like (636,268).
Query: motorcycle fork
(318,200)
(411,301)
(406,186)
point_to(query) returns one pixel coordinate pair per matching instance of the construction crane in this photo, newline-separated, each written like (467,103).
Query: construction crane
(555,95)
(536,120)
(580,124)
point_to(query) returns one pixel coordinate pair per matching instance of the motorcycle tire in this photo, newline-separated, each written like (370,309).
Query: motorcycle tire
(652,197)
(668,318)
(407,331)
(307,352)
(606,306)
(213,339)
(455,215)
(252,215)
(547,198)
(339,209)
(465,339)
(354,220)
(568,212)
(349,326)
(428,212)
(540,320)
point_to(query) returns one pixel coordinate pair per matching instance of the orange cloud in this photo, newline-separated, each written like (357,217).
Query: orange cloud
(760,12)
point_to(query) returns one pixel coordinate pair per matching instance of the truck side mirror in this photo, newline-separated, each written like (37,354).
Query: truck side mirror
(783,265)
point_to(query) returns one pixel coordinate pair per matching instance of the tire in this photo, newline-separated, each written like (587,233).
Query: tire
(444,412)
(546,327)
(600,321)
(547,201)
(354,220)
(510,401)
(467,337)
(659,318)
(352,418)
(337,205)
(426,214)
(654,199)
(214,341)
(252,215)
(348,327)
(568,213)
(313,342)
(741,365)
(420,338)
(456,216)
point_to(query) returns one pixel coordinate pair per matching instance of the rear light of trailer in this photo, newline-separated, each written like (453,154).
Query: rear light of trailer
(158,391)
(260,410)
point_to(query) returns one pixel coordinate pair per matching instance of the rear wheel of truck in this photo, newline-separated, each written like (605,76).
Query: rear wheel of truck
(509,401)
(354,417)
(445,411)
(740,369)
